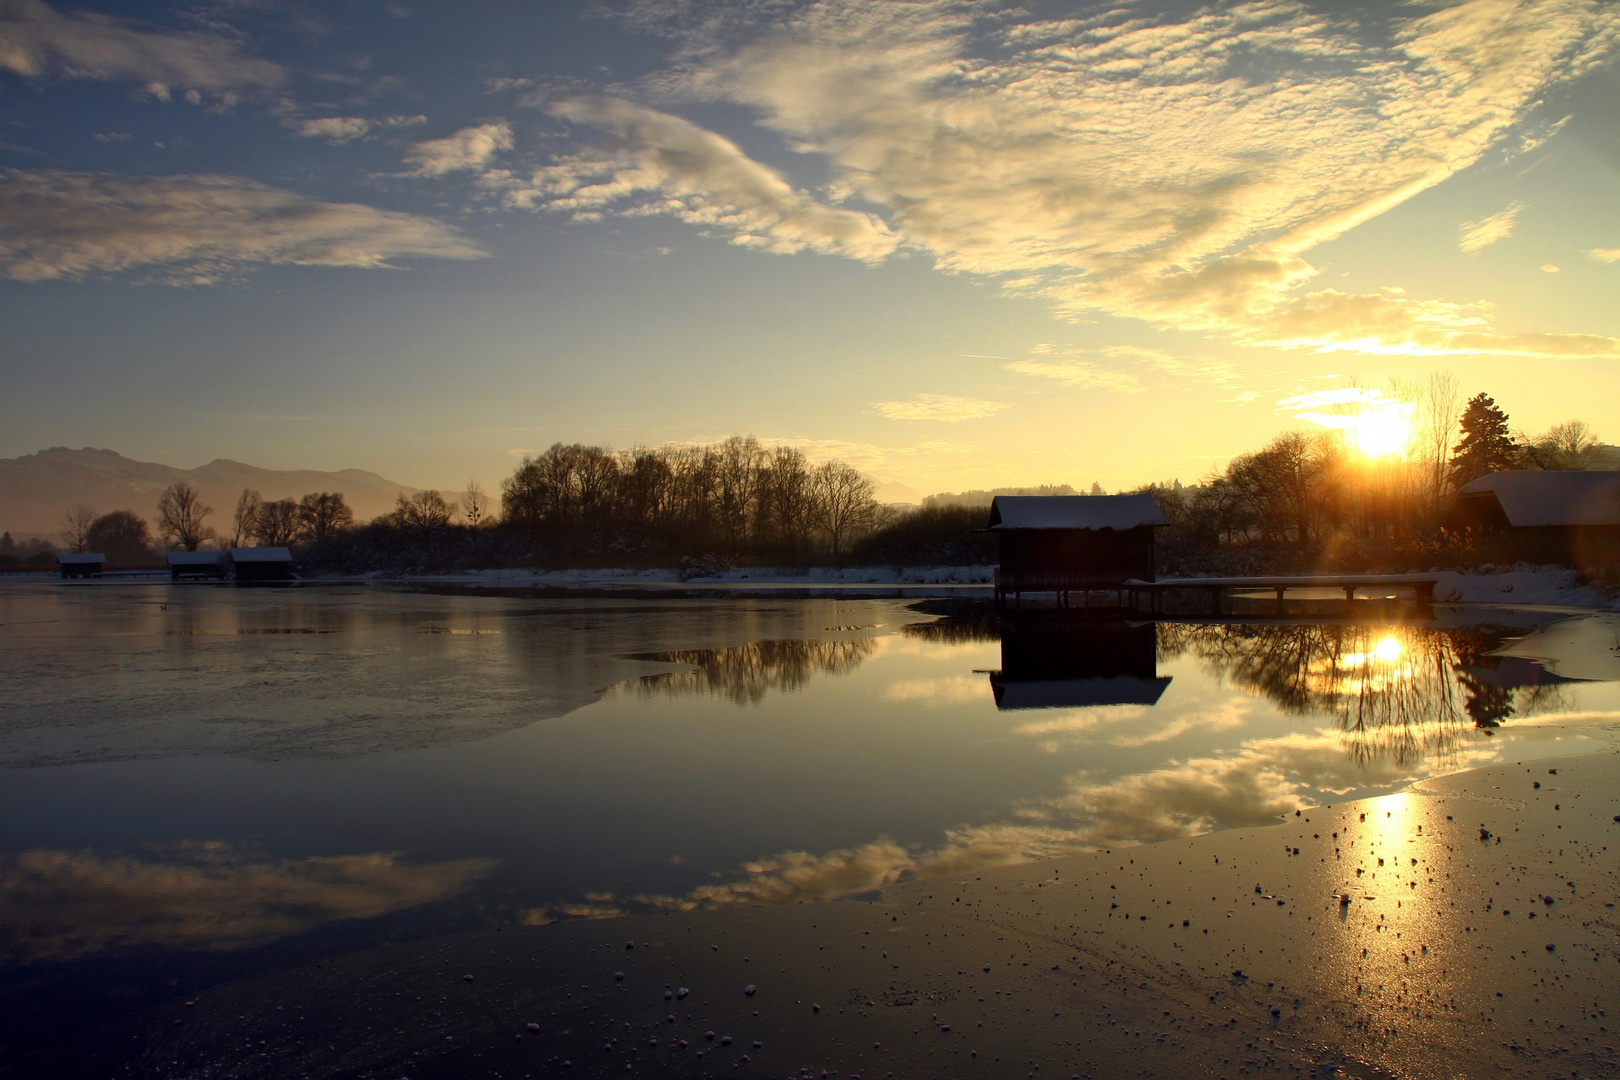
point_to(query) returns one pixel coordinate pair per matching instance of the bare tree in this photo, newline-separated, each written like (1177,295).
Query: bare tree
(1562,446)
(122,536)
(844,503)
(180,517)
(474,504)
(276,523)
(75,530)
(322,516)
(424,510)
(1437,429)
(247,514)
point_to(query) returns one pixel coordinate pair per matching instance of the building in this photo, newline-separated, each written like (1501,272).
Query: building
(1569,517)
(80,565)
(260,564)
(198,564)
(1072,545)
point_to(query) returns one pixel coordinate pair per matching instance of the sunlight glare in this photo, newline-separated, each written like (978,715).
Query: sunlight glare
(1380,432)
(1387,650)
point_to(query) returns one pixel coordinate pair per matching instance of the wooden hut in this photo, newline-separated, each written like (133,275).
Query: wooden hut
(198,564)
(80,564)
(261,564)
(1072,545)
(1569,517)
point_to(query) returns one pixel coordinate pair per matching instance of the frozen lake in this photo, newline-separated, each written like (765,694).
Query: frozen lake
(203,782)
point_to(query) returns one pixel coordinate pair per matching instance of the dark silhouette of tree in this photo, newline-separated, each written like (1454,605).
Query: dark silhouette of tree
(180,517)
(246,516)
(423,511)
(122,536)
(321,516)
(474,504)
(276,524)
(1486,445)
(75,531)
(844,504)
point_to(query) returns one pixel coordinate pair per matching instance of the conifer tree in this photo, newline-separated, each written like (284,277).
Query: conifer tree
(1486,445)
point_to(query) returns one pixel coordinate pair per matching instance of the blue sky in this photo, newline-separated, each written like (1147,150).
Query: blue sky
(959,244)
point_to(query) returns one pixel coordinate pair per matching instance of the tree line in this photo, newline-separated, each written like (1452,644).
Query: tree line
(1302,499)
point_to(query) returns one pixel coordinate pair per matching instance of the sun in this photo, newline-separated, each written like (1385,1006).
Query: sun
(1381,431)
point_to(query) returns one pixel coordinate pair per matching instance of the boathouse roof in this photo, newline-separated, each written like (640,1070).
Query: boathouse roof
(1551,497)
(1075,512)
(261,555)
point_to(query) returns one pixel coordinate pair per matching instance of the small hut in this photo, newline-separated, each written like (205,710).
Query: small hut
(198,564)
(1068,544)
(77,564)
(260,564)
(1570,517)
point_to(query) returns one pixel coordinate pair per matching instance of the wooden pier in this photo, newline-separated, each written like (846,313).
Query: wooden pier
(1149,597)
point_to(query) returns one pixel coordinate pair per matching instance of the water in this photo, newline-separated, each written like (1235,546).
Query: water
(202,782)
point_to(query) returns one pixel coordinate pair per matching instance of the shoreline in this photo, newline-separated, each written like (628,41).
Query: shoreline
(1458,954)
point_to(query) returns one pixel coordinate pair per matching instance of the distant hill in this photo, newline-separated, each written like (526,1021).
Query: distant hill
(983,497)
(37,489)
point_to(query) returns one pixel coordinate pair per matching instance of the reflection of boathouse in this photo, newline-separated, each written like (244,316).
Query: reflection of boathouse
(1070,546)
(1569,517)
(1070,664)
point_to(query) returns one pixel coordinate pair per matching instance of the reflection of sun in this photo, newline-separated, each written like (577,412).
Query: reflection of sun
(1380,432)
(1387,649)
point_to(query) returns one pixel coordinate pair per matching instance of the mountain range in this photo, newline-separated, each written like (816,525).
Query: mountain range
(36,490)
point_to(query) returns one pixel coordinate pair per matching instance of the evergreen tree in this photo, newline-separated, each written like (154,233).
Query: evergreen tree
(1486,446)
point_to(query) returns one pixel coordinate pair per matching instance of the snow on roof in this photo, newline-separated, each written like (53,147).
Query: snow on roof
(196,558)
(76,559)
(261,554)
(1553,497)
(1075,512)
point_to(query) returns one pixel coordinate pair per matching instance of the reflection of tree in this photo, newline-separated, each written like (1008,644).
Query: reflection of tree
(747,673)
(956,630)
(1402,693)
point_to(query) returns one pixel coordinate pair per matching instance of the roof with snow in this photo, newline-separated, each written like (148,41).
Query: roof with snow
(1553,497)
(1075,512)
(70,558)
(261,555)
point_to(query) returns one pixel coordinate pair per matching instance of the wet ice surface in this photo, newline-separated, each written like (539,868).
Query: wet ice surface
(205,782)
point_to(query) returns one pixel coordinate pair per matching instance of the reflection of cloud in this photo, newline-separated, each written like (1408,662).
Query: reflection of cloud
(950,690)
(195,230)
(747,673)
(1160,164)
(468,149)
(36,40)
(1481,234)
(64,904)
(945,407)
(1229,714)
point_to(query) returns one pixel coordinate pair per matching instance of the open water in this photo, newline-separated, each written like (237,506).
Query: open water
(199,782)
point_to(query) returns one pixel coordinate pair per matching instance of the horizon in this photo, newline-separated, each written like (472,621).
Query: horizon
(993,247)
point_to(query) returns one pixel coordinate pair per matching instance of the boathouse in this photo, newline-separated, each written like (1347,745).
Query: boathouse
(1070,546)
(198,564)
(258,564)
(80,564)
(1570,517)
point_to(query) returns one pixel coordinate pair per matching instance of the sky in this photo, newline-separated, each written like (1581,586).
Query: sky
(956,243)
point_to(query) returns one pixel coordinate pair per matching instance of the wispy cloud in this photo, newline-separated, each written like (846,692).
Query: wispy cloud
(37,41)
(945,407)
(342,129)
(1173,168)
(651,162)
(1605,255)
(195,229)
(471,148)
(1109,367)
(1481,234)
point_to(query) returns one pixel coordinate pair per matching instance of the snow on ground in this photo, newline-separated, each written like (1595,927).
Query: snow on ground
(820,575)
(1522,584)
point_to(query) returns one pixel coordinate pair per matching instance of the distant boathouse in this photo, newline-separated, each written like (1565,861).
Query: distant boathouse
(1568,517)
(1070,546)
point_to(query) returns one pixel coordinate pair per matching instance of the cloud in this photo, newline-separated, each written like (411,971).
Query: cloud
(944,407)
(1605,255)
(651,162)
(1549,268)
(1080,367)
(1481,234)
(195,229)
(342,129)
(1170,167)
(59,905)
(36,41)
(334,129)
(469,149)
